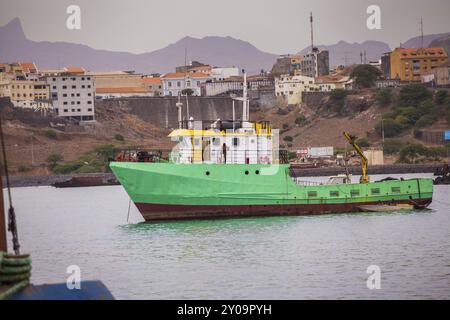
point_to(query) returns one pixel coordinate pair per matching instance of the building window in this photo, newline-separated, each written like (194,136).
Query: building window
(78,102)
(64,94)
(89,102)
(66,110)
(83,86)
(89,86)
(89,109)
(169,83)
(73,110)
(64,87)
(74,87)
(178,84)
(65,102)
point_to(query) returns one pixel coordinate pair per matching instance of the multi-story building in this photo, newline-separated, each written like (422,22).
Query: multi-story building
(386,65)
(26,93)
(174,83)
(118,84)
(154,84)
(219,74)
(73,95)
(316,63)
(291,87)
(410,64)
(194,67)
(287,64)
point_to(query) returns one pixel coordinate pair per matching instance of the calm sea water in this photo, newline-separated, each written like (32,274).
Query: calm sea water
(275,258)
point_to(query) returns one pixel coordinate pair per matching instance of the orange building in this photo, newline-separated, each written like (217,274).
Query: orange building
(410,64)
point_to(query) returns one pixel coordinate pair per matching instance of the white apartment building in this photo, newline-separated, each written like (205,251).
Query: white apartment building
(219,74)
(73,95)
(174,83)
(292,87)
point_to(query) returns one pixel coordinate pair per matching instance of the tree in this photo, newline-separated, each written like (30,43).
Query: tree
(119,137)
(411,152)
(441,95)
(384,97)
(391,128)
(412,95)
(54,158)
(188,92)
(392,146)
(365,75)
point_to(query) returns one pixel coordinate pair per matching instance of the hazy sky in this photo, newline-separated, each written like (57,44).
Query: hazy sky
(276,26)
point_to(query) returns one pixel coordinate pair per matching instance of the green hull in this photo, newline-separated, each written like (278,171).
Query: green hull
(177,191)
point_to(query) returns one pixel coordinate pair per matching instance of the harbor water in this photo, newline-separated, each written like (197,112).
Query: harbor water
(307,257)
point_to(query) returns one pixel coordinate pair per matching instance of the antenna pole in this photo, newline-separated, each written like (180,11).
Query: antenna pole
(312,37)
(421,32)
(244,100)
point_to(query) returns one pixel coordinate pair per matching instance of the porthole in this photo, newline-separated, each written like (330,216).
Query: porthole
(207,173)
(257,172)
(246,171)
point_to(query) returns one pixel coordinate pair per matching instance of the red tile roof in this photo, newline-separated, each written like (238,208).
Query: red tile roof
(73,69)
(414,52)
(151,80)
(28,66)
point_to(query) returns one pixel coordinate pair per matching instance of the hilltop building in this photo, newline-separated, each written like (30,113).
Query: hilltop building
(72,95)
(119,84)
(287,64)
(154,84)
(410,64)
(291,87)
(316,63)
(174,83)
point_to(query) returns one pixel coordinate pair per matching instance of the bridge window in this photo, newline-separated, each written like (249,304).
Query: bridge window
(312,194)
(375,190)
(395,189)
(334,193)
(354,193)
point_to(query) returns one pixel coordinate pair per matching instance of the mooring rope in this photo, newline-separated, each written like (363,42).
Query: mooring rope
(15,273)
(15,270)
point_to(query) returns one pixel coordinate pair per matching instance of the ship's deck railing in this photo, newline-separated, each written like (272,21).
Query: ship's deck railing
(308,183)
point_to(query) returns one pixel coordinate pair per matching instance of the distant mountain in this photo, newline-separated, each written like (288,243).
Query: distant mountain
(344,53)
(443,42)
(220,51)
(416,42)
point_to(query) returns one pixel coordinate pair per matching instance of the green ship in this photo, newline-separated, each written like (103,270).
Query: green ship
(231,169)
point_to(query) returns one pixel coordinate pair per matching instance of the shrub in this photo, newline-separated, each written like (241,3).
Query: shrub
(119,137)
(51,134)
(87,169)
(285,125)
(23,168)
(392,146)
(105,151)
(441,96)
(292,155)
(301,119)
(403,121)
(391,128)
(288,138)
(363,142)
(282,111)
(384,97)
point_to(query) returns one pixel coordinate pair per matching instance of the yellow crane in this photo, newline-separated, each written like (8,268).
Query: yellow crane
(351,140)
